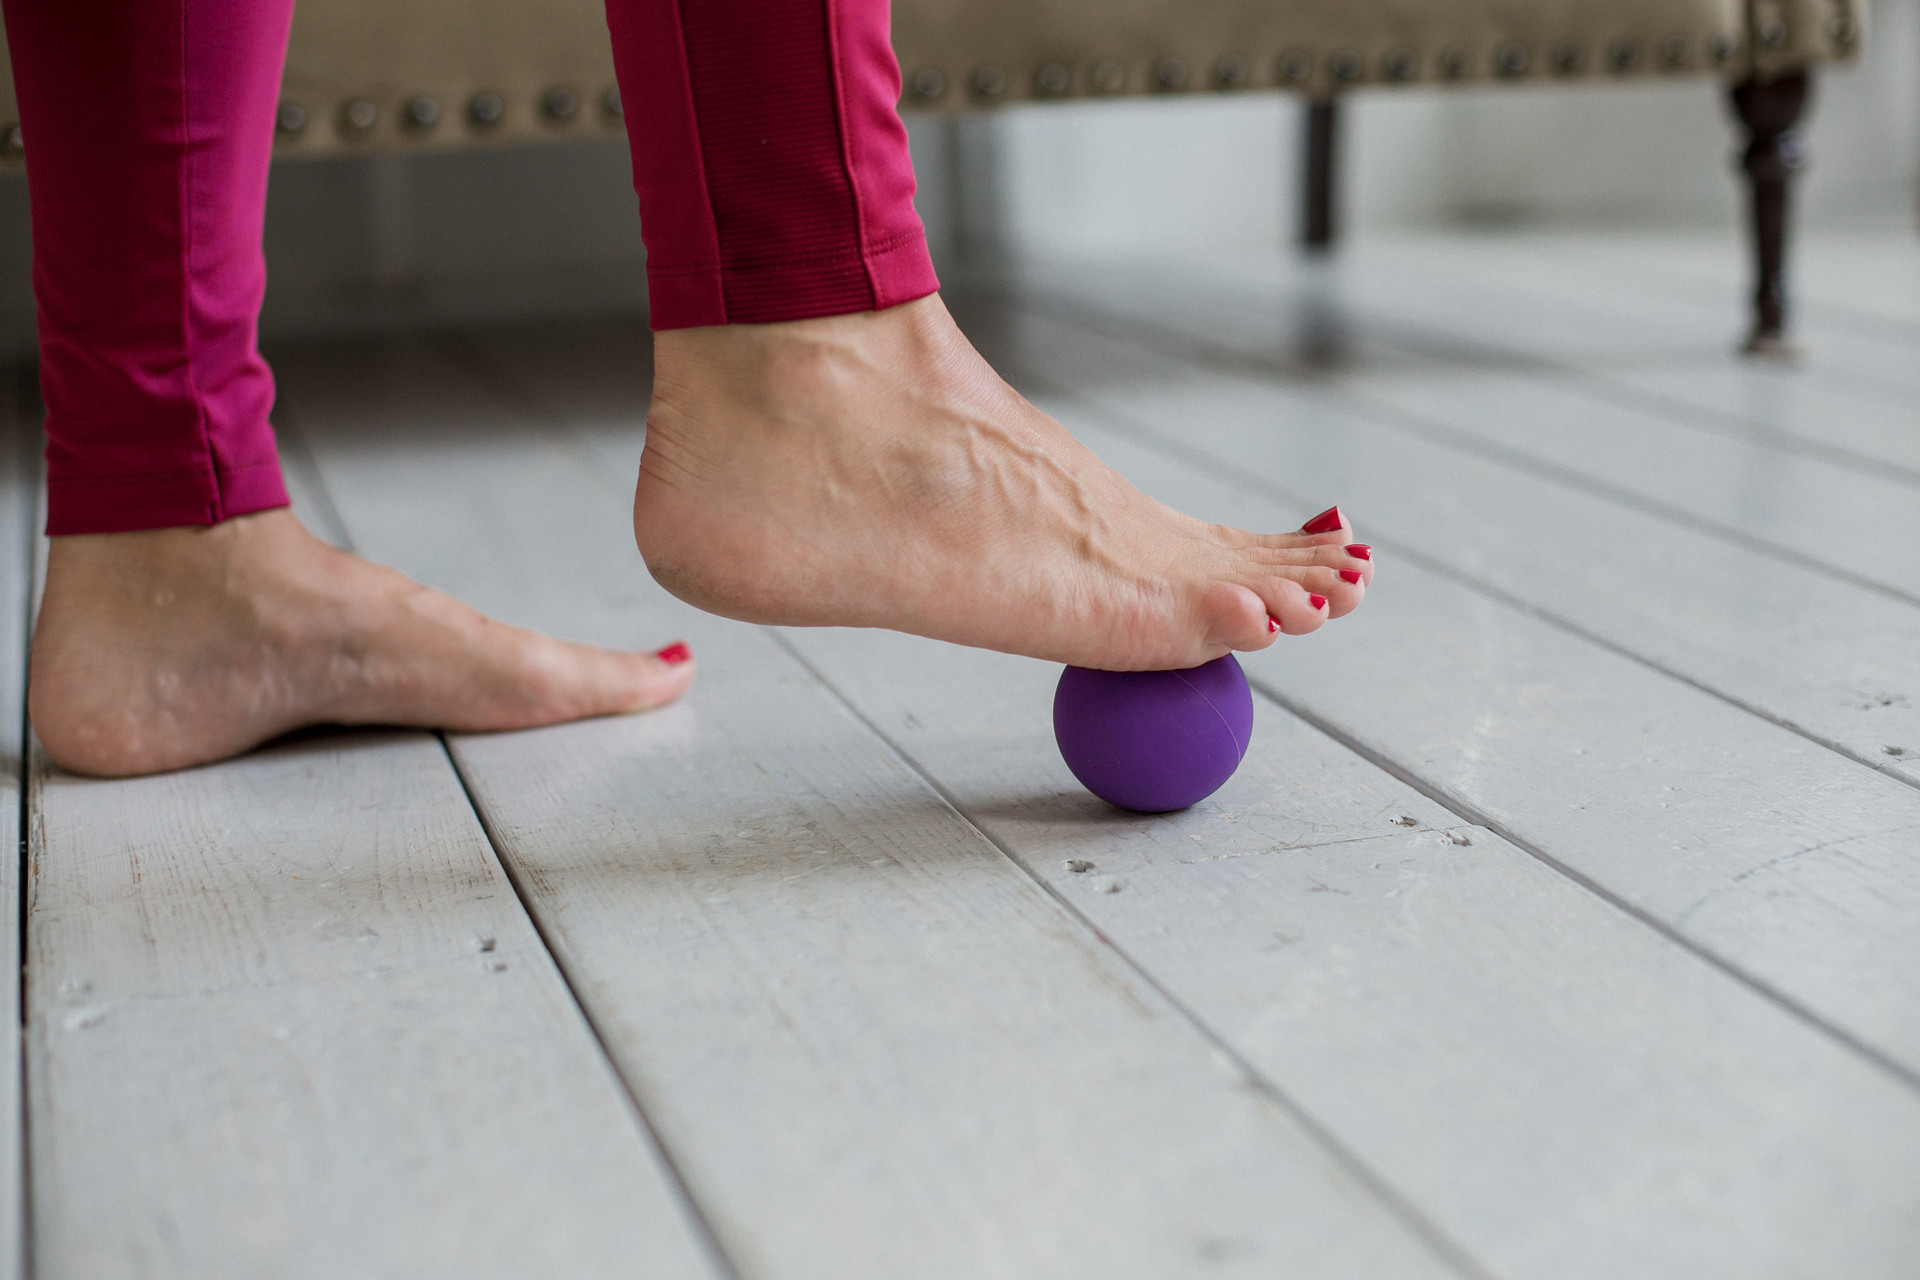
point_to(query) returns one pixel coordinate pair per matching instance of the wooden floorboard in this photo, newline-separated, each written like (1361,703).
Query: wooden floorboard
(1788,861)
(1611,313)
(1398,308)
(1778,635)
(1560,924)
(1497,1041)
(1852,389)
(287,1017)
(1766,496)
(1844,288)
(1309,885)
(1865,427)
(1298,880)
(872,1045)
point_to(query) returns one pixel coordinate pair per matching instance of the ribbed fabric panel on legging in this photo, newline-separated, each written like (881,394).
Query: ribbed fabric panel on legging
(148,127)
(781,115)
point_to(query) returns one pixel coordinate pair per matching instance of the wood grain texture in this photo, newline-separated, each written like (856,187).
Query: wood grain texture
(1441,305)
(1600,305)
(1792,863)
(1501,1044)
(1567,1092)
(872,1045)
(287,1018)
(1767,496)
(1621,336)
(1842,278)
(1782,637)
(1867,425)
(1851,296)
(1615,335)
(19,442)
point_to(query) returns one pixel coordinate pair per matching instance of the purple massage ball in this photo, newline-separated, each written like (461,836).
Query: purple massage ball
(1154,740)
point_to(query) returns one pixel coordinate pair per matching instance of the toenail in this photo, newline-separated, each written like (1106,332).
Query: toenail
(1318,602)
(1273,624)
(675,654)
(1350,575)
(1326,522)
(1359,551)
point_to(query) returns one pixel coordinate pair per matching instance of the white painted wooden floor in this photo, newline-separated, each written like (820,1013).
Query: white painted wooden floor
(1563,922)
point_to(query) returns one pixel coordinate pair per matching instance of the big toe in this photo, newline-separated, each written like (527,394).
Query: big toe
(581,680)
(1246,619)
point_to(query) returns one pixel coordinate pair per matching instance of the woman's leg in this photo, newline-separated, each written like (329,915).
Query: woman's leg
(824,447)
(770,163)
(187,615)
(147,191)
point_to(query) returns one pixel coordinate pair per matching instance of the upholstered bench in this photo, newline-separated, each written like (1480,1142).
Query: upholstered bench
(427,73)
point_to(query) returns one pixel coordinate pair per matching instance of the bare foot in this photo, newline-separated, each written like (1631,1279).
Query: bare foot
(872,471)
(176,647)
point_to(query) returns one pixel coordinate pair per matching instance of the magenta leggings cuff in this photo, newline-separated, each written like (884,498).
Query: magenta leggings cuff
(128,504)
(766,293)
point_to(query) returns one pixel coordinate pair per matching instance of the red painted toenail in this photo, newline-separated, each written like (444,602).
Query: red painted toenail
(1273,624)
(675,654)
(1359,551)
(1326,522)
(1350,575)
(1318,602)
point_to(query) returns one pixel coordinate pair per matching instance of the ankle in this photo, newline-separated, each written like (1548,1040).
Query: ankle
(166,585)
(149,556)
(772,363)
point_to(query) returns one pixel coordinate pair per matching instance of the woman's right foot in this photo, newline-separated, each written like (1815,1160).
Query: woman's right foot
(176,647)
(871,470)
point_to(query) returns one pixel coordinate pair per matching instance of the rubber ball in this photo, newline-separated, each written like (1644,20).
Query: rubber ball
(1154,740)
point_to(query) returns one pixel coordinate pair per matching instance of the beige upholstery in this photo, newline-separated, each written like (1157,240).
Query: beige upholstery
(966,51)
(410,73)
(431,73)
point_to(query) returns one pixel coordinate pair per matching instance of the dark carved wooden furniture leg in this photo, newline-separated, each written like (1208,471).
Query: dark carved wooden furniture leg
(1770,110)
(1317,224)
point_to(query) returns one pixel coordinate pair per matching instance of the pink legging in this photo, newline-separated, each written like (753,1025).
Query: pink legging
(770,163)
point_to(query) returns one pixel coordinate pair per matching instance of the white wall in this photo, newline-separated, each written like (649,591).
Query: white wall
(458,235)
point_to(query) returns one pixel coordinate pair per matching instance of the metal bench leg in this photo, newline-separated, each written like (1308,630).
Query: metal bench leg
(1317,224)
(1770,110)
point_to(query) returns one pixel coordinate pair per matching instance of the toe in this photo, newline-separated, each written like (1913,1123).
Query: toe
(1343,589)
(1293,609)
(667,673)
(1347,562)
(1307,612)
(1328,521)
(585,680)
(1242,619)
(1359,558)
(1327,533)
(1288,576)
(1329,528)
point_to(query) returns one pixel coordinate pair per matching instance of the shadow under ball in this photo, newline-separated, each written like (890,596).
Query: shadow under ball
(1154,741)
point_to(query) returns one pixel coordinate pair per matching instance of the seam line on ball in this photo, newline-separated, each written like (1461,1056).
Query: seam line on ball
(1207,702)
